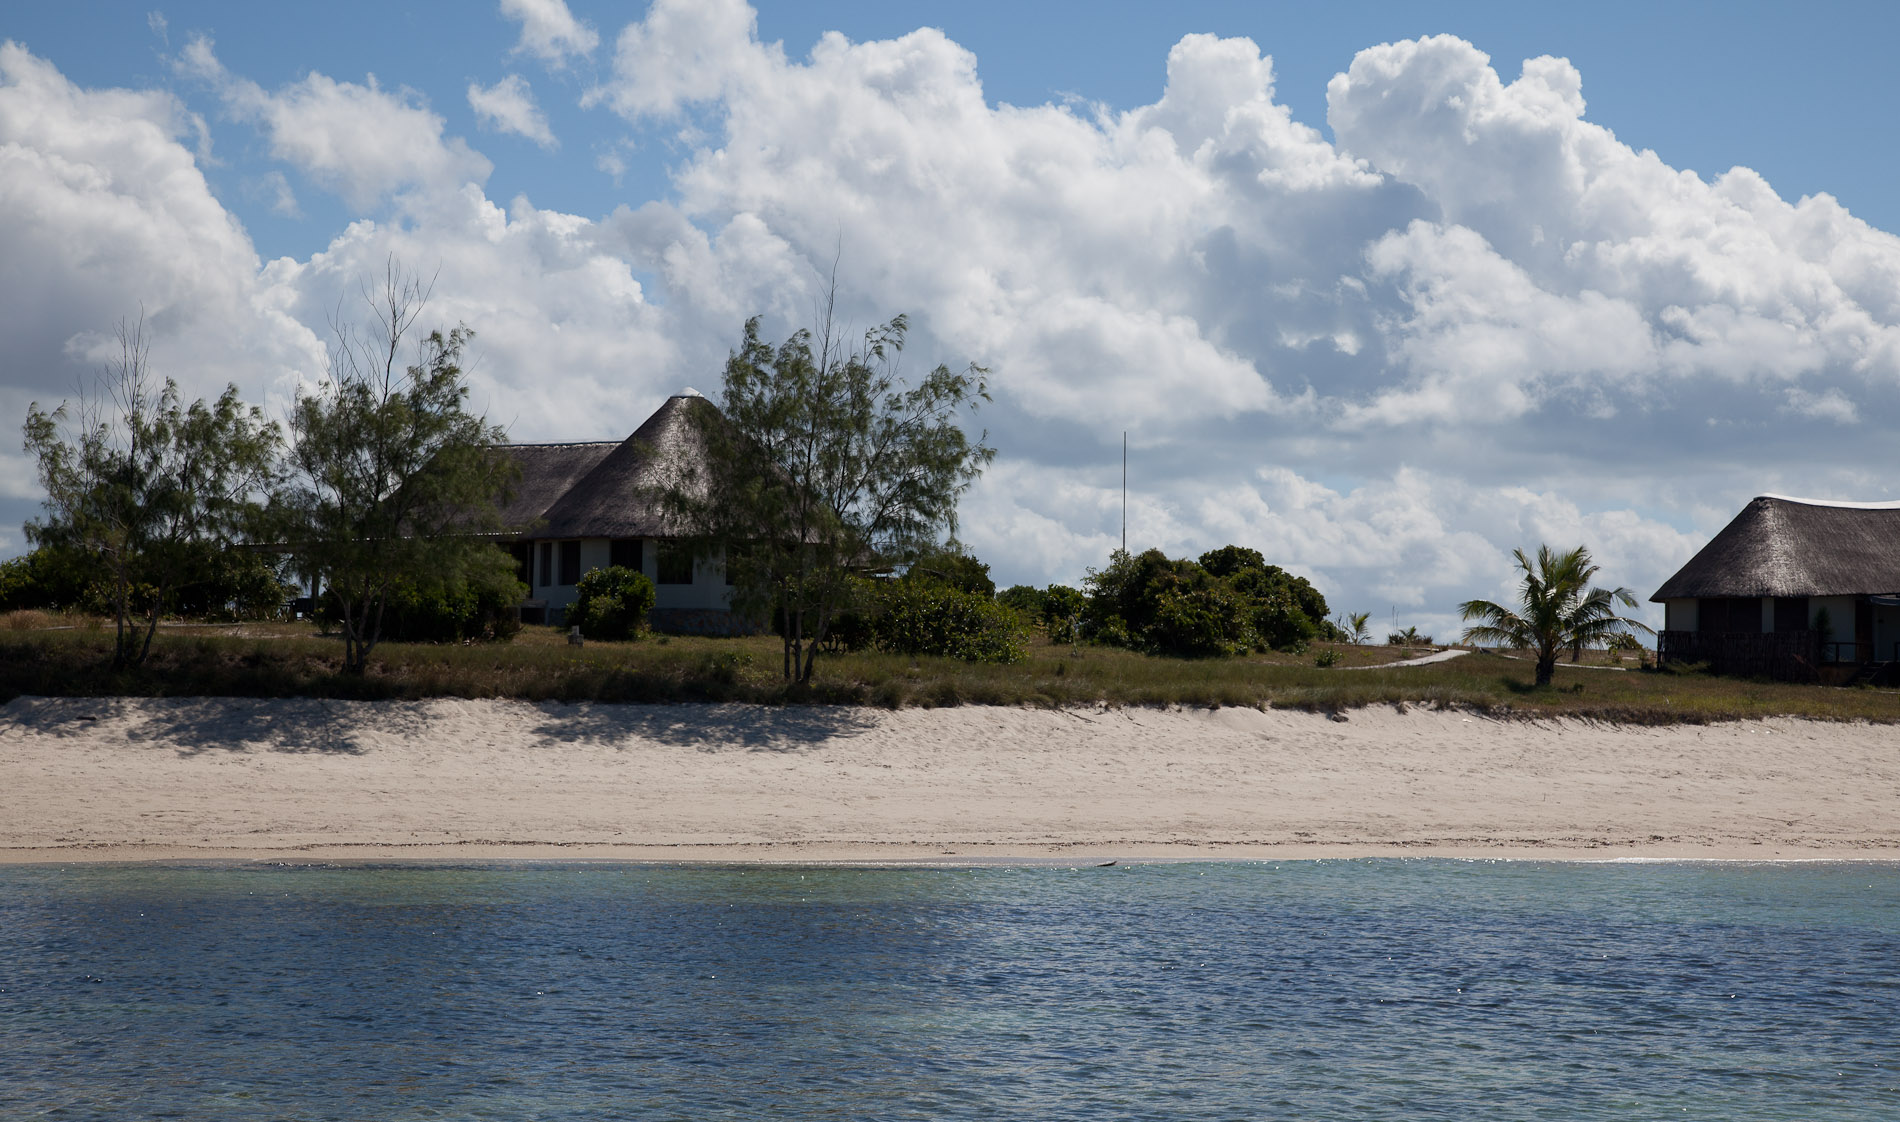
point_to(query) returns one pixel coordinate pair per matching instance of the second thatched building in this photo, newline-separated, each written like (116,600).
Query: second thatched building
(1797,589)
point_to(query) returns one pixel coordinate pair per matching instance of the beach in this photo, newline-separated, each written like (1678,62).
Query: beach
(172,779)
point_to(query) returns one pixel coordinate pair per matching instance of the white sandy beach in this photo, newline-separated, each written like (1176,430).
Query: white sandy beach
(112,780)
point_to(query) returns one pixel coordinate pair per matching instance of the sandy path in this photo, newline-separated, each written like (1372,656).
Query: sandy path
(120,779)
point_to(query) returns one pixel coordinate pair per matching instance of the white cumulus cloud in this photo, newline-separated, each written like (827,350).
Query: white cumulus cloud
(549,31)
(508,106)
(362,142)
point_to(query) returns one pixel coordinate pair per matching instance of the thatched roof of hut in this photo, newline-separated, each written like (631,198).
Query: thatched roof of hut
(1796,547)
(548,471)
(606,489)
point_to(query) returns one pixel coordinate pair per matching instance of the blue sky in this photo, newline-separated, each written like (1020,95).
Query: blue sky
(1364,299)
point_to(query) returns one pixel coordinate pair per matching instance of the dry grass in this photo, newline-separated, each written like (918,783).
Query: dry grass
(273,660)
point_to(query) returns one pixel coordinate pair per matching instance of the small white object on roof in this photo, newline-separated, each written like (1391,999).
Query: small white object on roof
(691,392)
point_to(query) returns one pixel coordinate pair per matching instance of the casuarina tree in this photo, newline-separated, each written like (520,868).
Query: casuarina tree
(392,477)
(147,491)
(818,462)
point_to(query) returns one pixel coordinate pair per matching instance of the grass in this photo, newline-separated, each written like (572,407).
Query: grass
(292,660)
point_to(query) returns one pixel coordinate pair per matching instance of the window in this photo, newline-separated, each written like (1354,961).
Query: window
(676,564)
(1733,614)
(625,552)
(546,577)
(570,563)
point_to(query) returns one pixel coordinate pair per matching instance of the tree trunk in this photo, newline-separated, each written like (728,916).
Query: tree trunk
(1546,667)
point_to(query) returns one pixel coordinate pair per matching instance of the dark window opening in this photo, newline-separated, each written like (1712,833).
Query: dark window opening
(1791,613)
(625,553)
(523,553)
(547,566)
(1733,614)
(570,563)
(676,564)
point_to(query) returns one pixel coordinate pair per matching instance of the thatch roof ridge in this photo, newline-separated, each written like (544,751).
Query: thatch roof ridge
(1780,546)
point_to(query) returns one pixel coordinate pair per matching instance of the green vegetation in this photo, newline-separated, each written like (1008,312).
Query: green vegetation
(927,617)
(1559,609)
(144,495)
(611,603)
(281,660)
(863,471)
(391,477)
(1228,602)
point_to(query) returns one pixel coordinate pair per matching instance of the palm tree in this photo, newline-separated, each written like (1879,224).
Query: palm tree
(1558,609)
(1360,631)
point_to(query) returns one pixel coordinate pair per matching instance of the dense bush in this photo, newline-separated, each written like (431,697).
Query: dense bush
(929,618)
(951,568)
(480,602)
(217,582)
(1229,601)
(1023,599)
(1062,606)
(612,603)
(235,583)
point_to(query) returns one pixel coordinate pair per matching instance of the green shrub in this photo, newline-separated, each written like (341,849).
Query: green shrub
(611,603)
(951,568)
(932,619)
(1229,601)
(1024,599)
(1062,606)
(50,577)
(479,602)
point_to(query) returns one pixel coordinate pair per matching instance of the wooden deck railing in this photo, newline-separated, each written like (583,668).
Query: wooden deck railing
(1788,655)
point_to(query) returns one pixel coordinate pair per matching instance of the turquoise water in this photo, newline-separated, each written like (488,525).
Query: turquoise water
(1309,990)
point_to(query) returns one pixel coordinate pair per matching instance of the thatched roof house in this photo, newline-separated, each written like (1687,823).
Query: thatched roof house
(584,506)
(1790,582)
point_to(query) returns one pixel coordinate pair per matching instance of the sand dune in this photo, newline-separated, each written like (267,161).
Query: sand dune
(221,778)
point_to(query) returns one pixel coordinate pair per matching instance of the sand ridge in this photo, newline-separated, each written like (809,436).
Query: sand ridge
(117,779)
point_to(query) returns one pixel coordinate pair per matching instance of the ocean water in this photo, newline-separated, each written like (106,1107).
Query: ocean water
(1306,990)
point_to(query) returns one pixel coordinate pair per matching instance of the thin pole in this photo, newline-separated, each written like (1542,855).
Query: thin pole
(1124,490)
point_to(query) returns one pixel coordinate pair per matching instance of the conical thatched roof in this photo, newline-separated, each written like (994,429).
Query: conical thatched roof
(1796,547)
(616,497)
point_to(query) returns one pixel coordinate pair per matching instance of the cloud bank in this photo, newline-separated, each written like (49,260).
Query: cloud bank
(1470,321)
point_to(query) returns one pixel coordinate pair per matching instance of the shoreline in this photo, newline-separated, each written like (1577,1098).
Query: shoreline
(114,780)
(846,856)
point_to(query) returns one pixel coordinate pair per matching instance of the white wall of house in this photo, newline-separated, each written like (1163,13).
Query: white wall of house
(1679,615)
(708,590)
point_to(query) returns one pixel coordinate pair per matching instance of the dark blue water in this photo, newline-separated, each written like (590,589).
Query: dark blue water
(1321,990)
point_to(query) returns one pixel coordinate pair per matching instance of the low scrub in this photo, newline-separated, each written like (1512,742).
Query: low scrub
(292,660)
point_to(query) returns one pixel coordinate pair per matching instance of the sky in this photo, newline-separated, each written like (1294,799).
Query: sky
(1384,291)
